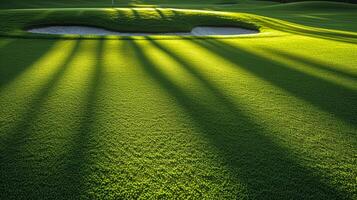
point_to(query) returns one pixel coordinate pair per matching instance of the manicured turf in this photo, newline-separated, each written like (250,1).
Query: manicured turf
(272,116)
(126,3)
(120,19)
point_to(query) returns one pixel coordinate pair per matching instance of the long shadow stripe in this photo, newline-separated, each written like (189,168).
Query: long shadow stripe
(318,92)
(16,138)
(77,167)
(266,168)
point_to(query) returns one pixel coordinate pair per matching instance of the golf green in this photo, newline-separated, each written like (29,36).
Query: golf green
(266,116)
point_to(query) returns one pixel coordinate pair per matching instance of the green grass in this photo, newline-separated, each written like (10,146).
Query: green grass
(129,20)
(272,116)
(126,3)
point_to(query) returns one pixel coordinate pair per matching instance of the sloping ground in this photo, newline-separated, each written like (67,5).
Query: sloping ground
(6,4)
(152,20)
(156,20)
(311,5)
(319,14)
(242,118)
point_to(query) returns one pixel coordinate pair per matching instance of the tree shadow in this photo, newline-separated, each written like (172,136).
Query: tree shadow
(120,14)
(162,14)
(136,13)
(21,54)
(267,169)
(16,171)
(327,96)
(76,168)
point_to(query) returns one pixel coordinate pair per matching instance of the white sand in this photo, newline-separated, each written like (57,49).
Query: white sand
(210,30)
(86,30)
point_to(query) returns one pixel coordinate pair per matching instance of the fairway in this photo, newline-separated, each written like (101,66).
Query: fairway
(271,115)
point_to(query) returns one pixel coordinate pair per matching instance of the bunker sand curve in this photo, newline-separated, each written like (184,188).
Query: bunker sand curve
(88,30)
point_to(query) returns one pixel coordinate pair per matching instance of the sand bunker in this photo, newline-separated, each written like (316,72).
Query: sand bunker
(86,30)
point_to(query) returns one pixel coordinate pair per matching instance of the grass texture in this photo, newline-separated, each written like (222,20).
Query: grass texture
(272,116)
(127,3)
(119,19)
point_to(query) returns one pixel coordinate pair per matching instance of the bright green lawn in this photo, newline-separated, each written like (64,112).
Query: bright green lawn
(260,117)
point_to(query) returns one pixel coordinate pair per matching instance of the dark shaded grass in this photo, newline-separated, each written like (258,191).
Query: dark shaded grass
(330,97)
(267,169)
(15,171)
